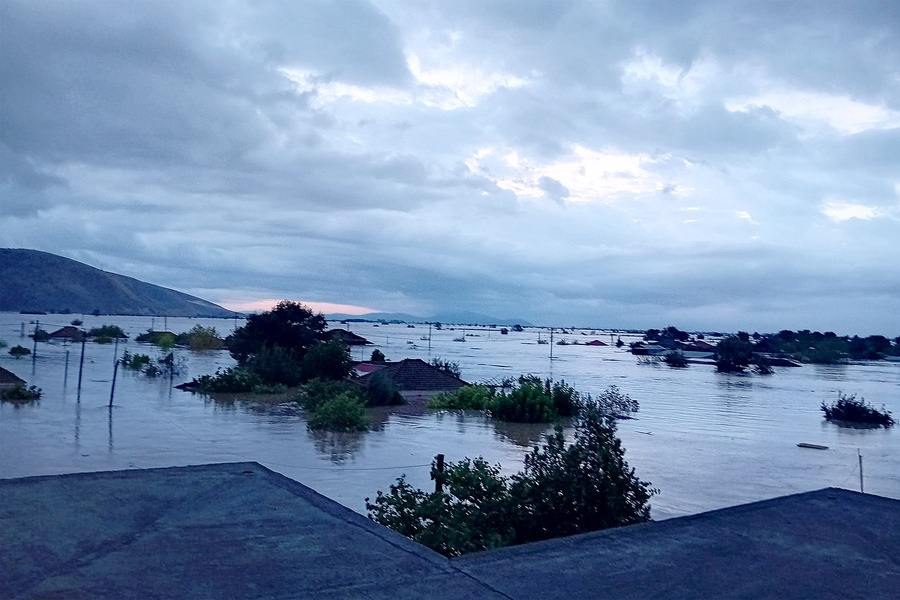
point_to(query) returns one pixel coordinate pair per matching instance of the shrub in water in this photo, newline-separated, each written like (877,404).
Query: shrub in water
(21,394)
(276,365)
(848,408)
(344,412)
(316,391)
(107,331)
(676,360)
(564,489)
(18,351)
(614,403)
(566,401)
(381,391)
(529,402)
(470,397)
(231,380)
(327,360)
(40,335)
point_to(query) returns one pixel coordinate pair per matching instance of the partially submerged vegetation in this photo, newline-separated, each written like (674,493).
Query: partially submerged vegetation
(198,338)
(21,394)
(849,409)
(563,489)
(532,400)
(18,351)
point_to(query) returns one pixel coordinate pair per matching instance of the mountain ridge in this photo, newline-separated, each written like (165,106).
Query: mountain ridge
(33,280)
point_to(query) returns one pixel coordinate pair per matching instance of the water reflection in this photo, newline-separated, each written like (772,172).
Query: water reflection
(526,435)
(831,372)
(338,446)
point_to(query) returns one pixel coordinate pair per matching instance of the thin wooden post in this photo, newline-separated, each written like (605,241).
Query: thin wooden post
(861,491)
(439,478)
(81,364)
(66,372)
(37,325)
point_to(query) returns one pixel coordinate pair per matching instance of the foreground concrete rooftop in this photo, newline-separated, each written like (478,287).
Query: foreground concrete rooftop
(239,530)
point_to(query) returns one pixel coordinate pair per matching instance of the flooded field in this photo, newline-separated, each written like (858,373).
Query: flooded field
(706,440)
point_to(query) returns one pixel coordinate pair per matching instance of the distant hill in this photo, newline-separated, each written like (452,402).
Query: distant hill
(458,318)
(31,280)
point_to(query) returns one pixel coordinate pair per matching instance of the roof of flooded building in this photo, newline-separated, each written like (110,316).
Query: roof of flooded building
(8,378)
(416,374)
(239,530)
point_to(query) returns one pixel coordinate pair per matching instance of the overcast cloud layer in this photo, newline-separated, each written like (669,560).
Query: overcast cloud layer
(711,165)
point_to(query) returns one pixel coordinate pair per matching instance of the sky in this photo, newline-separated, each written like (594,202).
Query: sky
(710,165)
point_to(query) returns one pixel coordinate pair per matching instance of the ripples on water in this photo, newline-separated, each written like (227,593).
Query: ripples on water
(706,440)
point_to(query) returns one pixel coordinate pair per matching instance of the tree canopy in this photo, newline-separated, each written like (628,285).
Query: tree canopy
(290,326)
(564,489)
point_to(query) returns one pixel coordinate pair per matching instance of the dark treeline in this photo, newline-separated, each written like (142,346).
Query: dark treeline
(804,345)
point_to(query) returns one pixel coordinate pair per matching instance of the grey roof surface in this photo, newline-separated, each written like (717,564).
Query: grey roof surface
(239,530)
(416,374)
(8,378)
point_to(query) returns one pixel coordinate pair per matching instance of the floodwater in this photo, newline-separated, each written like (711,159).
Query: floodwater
(706,440)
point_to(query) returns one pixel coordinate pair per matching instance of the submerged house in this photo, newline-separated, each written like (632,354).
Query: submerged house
(69,332)
(9,380)
(348,337)
(414,378)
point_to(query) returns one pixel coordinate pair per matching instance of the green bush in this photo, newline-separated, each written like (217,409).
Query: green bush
(676,360)
(108,331)
(40,335)
(528,402)
(563,490)
(200,338)
(21,394)
(18,351)
(327,360)
(469,397)
(163,339)
(566,401)
(275,388)
(344,412)
(234,380)
(316,391)
(471,514)
(614,403)
(381,391)
(848,408)
(135,362)
(377,356)
(447,366)
(276,365)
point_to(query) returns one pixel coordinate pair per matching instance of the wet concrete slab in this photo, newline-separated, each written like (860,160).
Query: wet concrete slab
(239,530)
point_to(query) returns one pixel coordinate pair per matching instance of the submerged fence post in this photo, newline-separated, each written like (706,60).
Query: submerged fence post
(439,477)
(81,364)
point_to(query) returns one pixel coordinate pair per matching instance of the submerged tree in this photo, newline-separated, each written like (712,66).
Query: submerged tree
(290,325)
(563,489)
